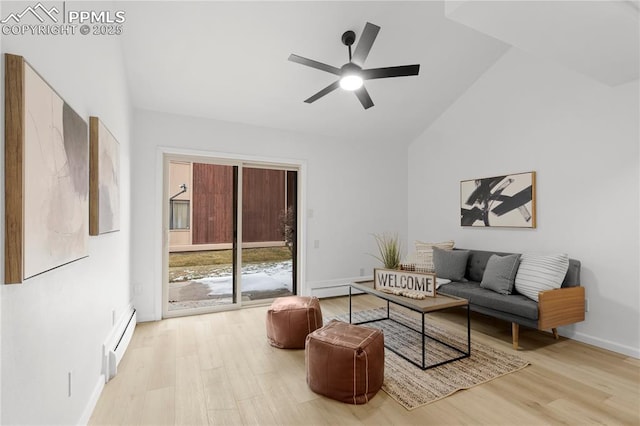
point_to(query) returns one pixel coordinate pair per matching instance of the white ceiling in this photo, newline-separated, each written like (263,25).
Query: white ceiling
(228,60)
(596,38)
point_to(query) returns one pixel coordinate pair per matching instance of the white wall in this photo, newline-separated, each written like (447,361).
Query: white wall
(581,137)
(354,188)
(57,322)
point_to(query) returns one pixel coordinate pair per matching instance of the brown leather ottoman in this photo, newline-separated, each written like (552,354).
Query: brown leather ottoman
(290,319)
(345,362)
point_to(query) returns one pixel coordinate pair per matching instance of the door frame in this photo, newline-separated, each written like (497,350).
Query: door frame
(161,271)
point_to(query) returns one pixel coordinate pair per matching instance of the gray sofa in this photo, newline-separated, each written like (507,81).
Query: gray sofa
(555,308)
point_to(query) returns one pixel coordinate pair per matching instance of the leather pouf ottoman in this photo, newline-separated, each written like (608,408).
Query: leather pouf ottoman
(345,362)
(290,319)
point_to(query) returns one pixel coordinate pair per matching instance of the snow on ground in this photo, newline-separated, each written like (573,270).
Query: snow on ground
(255,277)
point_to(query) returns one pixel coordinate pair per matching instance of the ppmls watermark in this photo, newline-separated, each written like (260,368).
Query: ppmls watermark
(39,20)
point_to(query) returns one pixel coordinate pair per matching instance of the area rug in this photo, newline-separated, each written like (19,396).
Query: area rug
(413,387)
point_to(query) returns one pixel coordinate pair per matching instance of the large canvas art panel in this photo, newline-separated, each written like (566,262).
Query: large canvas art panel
(499,201)
(104,181)
(46,176)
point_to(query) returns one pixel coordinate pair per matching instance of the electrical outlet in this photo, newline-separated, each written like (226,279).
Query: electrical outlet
(69,385)
(362,272)
(316,243)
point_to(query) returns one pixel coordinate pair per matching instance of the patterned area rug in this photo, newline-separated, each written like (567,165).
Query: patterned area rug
(413,387)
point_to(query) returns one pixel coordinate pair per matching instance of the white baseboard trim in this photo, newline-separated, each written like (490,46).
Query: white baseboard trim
(93,400)
(332,288)
(146,318)
(604,344)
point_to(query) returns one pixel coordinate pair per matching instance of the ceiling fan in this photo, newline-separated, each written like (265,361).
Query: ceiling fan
(351,74)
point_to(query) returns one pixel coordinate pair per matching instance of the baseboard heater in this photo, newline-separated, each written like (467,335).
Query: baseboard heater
(114,349)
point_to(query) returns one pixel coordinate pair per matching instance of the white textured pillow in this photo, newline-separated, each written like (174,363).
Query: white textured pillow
(539,272)
(424,254)
(441,281)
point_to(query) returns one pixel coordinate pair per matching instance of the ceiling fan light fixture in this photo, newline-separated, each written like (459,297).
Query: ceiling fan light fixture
(351,82)
(351,74)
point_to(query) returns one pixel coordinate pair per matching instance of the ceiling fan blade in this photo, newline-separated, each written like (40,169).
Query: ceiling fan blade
(367,38)
(399,71)
(364,97)
(314,64)
(330,88)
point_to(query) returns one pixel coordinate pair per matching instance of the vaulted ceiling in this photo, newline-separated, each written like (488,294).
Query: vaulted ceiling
(228,60)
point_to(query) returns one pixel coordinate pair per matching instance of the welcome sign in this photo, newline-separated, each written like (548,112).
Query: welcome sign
(391,279)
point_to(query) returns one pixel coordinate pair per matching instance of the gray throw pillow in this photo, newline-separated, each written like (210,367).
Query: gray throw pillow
(500,273)
(450,264)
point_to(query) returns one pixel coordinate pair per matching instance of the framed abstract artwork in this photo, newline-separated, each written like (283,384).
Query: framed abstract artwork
(104,179)
(499,201)
(46,176)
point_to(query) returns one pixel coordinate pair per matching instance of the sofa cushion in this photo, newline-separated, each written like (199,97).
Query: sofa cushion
(450,264)
(514,304)
(500,273)
(478,262)
(539,272)
(459,289)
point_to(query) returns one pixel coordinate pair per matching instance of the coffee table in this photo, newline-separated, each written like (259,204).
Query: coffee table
(423,307)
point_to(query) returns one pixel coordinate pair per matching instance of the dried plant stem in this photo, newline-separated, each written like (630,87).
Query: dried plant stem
(389,248)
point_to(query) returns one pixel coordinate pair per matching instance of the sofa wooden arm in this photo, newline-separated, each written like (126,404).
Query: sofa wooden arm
(560,307)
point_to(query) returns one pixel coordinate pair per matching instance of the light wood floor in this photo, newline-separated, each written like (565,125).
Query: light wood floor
(219,369)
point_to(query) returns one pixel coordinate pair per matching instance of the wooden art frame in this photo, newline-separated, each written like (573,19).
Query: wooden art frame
(104,179)
(499,201)
(46,176)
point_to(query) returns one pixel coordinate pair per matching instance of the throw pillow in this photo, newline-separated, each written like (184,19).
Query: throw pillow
(441,281)
(539,272)
(450,264)
(500,273)
(424,253)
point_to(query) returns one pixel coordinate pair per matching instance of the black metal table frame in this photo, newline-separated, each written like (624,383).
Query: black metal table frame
(463,355)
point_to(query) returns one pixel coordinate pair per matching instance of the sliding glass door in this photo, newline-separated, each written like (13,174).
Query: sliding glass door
(232,235)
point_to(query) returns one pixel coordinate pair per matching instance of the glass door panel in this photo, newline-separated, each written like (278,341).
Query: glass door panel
(202,235)
(268,235)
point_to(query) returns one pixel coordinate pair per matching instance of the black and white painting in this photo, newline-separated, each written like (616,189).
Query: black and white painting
(499,201)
